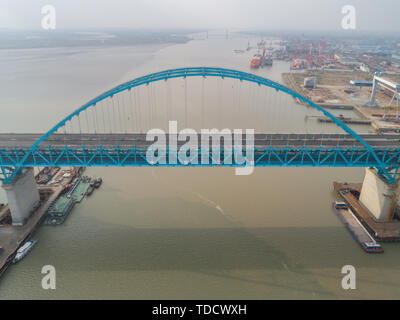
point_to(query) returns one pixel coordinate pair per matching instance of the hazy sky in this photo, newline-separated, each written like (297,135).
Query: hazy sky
(380,15)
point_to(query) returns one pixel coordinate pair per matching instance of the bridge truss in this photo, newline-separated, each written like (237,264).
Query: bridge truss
(121,156)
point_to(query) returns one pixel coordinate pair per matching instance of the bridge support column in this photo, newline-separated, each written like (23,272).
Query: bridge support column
(379,197)
(22,195)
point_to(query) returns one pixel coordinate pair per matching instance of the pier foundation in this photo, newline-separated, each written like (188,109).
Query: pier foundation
(379,197)
(22,195)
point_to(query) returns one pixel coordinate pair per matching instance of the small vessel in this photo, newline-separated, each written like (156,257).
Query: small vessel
(24,250)
(255,62)
(372,247)
(260,60)
(340,205)
(90,190)
(98,182)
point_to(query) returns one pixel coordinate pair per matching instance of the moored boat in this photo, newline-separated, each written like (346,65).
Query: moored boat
(90,190)
(372,247)
(98,182)
(24,250)
(255,62)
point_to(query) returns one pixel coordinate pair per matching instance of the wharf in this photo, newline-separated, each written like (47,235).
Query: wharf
(375,116)
(384,231)
(292,84)
(346,120)
(12,237)
(338,106)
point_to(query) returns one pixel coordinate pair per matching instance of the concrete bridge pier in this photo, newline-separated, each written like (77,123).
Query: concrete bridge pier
(22,195)
(379,197)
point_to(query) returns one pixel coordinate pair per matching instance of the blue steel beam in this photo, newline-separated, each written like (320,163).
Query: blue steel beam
(120,156)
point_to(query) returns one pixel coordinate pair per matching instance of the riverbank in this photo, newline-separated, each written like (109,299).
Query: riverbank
(333,91)
(58,195)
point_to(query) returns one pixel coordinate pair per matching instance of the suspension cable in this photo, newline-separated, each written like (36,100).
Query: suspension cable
(185,103)
(137,96)
(133,117)
(202,103)
(87,121)
(79,124)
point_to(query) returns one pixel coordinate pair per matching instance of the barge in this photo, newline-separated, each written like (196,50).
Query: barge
(346,120)
(357,230)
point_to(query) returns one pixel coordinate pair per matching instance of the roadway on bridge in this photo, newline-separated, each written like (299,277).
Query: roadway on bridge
(22,140)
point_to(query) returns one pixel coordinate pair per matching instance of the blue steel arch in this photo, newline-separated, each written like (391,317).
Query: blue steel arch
(204,72)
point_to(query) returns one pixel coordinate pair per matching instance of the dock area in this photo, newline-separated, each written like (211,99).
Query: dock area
(60,209)
(336,90)
(337,106)
(384,231)
(12,237)
(59,191)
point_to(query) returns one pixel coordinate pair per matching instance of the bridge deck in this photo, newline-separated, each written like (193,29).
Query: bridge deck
(12,140)
(272,150)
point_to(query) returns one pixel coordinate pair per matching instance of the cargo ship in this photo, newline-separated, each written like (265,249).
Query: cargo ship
(261,60)
(94,184)
(255,62)
(24,250)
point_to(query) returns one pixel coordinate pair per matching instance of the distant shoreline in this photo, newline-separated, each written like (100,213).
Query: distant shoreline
(43,39)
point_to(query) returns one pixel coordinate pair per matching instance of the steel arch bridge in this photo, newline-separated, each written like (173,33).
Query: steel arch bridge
(360,154)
